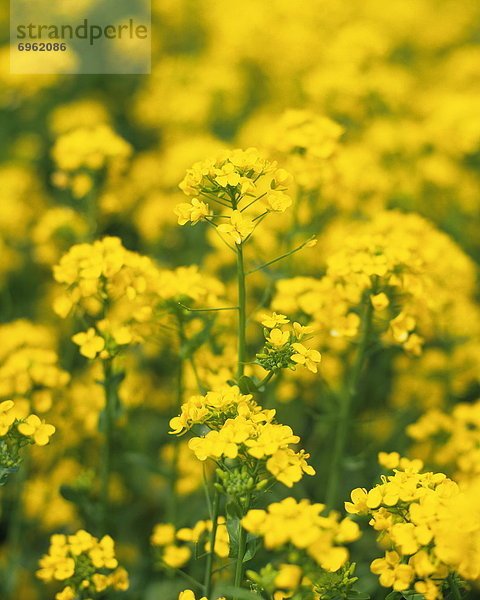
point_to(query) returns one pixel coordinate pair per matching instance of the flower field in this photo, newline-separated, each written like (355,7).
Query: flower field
(239,310)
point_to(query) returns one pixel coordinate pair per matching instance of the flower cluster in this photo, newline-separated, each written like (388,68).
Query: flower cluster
(415,516)
(450,440)
(16,431)
(55,231)
(79,153)
(85,565)
(115,288)
(308,143)
(122,294)
(236,180)
(172,546)
(283,348)
(29,372)
(240,429)
(311,542)
(188,285)
(398,263)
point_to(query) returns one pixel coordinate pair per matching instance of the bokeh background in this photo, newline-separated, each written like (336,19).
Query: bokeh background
(402,82)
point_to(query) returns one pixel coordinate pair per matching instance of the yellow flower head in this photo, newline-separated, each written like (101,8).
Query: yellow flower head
(90,343)
(37,429)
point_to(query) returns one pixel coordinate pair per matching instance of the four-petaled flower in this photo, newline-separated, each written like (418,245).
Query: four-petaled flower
(304,356)
(37,429)
(90,343)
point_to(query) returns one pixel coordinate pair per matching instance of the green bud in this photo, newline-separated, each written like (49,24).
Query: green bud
(261,485)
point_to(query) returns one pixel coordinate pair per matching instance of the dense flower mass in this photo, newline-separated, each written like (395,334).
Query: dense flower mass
(79,153)
(252,259)
(240,181)
(450,440)
(302,525)
(83,564)
(313,544)
(309,144)
(398,263)
(240,429)
(417,517)
(122,293)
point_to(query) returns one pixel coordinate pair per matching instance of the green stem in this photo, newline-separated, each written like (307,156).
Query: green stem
(266,379)
(91,214)
(15,527)
(347,399)
(188,577)
(242,318)
(173,479)
(111,396)
(289,253)
(242,545)
(207,309)
(211,539)
(454,587)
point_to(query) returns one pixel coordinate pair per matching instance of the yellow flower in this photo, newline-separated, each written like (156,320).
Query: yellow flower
(100,582)
(288,576)
(304,356)
(278,201)
(66,594)
(401,326)
(358,505)
(119,579)
(389,460)
(39,430)
(379,301)
(288,467)
(176,556)
(90,343)
(414,344)
(103,554)
(278,337)
(6,417)
(163,534)
(193,211)
(239,227)
(271,321)
(227,175)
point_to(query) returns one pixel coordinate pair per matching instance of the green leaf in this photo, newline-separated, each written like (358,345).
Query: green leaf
(393,596)
(412,596)
(72,495)
(247,385)
(355,595)
(253,543)
(232,528)
(233,511)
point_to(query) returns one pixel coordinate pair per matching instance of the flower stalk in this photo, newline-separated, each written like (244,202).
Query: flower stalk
(111,398)
(346,401)
(211,541)
(242,318)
